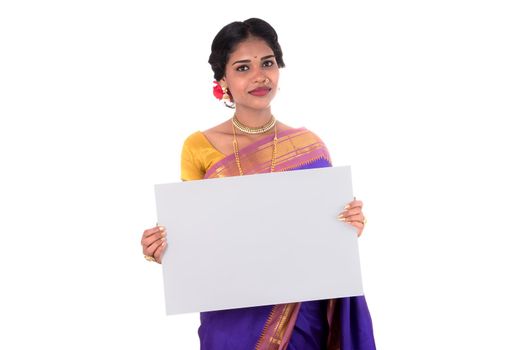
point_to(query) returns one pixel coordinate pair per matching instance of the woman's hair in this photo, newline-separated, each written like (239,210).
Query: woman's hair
(234,33)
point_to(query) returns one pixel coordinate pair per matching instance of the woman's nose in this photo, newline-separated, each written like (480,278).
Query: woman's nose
(261,79)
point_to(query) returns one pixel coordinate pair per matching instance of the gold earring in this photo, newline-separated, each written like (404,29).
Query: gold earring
(228,101)
(226,93)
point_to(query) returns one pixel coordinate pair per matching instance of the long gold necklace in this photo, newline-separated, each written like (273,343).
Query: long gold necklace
(237,157)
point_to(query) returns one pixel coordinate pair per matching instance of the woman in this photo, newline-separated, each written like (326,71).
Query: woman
(246,58)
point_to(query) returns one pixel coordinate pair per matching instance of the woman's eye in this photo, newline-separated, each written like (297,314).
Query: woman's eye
(242,68)
(268,63)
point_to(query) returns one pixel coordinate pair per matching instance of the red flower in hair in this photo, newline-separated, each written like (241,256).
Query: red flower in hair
(217,90)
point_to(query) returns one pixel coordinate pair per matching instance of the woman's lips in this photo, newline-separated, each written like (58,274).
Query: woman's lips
(262,91)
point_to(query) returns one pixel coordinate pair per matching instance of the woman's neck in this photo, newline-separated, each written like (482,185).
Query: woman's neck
(253,118)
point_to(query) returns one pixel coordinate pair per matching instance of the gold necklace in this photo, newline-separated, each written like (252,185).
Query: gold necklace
(237,157)
(253,131)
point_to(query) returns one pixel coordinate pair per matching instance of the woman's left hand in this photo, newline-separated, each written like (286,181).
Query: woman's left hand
(352,214)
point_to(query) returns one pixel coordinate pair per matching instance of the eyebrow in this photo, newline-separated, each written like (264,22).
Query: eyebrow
(247,61)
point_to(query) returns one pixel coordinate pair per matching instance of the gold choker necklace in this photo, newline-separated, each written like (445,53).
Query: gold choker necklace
(253,131)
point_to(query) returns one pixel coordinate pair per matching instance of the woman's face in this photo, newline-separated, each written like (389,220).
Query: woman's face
(252,74)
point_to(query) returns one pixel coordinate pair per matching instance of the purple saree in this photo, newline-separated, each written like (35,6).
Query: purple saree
(343,323)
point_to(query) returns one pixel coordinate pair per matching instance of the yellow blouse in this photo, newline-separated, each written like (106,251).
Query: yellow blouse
(198,155)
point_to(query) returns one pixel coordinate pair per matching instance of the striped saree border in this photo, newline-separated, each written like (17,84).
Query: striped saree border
(295,148)
(278,327)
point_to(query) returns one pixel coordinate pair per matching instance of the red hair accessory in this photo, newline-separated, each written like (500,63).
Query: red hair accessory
(218,91)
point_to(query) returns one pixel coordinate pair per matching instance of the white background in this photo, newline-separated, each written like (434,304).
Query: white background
(421,98)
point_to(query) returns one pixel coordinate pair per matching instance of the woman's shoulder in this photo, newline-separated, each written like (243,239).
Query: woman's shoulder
(197,142)
(313,135)
(194,139)
(200,147)
(304,132)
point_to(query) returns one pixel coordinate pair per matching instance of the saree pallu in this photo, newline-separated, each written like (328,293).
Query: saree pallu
(343,323)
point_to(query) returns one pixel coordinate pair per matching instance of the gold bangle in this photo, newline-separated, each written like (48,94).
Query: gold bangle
(150,258)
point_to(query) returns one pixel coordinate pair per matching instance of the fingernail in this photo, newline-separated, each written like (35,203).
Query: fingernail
(347,206)
(340,215)
(161,228)
(341,219)
(164,244)
(163,234)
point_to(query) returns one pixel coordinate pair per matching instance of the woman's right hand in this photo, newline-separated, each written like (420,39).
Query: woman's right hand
(154,243)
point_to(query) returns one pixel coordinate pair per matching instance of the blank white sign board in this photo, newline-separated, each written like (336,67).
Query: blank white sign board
(258,240)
